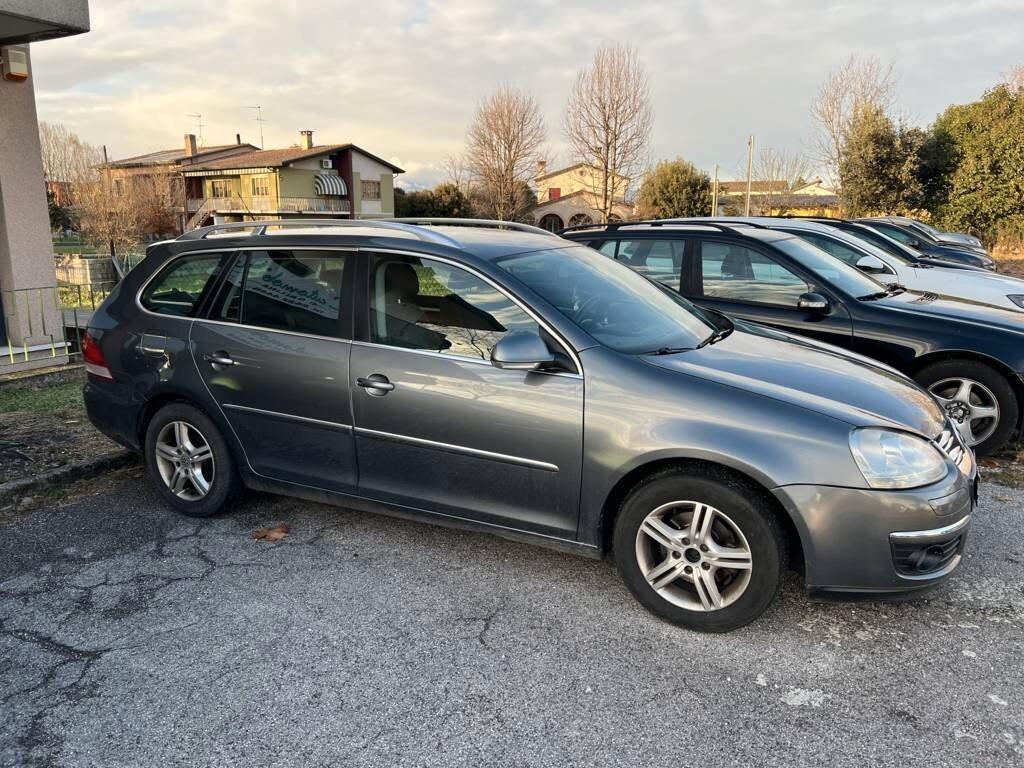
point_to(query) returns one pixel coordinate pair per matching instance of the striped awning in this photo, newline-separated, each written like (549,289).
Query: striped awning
(330,184)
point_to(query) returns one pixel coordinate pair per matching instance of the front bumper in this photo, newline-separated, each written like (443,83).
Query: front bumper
(862,542)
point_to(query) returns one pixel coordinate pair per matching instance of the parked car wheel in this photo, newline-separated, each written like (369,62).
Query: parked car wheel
(979,400)
(700,550)
(189,462)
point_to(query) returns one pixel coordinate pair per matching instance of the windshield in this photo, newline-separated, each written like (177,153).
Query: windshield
(863,246)
(618,307)
(883,241)
(831,270)
(927,228)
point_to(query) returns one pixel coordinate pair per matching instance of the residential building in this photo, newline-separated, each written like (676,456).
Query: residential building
(161,171)
(572,196)
(326,180)
(774,197)
(30,320)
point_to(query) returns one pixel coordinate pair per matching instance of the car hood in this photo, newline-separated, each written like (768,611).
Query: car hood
(973,285)
(811,375)
(956,309)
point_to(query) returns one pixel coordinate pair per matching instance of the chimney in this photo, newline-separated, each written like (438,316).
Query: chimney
(306,140)
(238,138)
(542,167)
(190,144)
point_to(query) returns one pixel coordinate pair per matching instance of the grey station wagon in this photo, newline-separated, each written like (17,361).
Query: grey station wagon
(494,376)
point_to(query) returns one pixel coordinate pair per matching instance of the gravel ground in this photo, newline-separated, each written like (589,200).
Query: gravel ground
(130,636)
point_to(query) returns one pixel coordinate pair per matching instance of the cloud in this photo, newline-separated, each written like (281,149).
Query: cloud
(403,79)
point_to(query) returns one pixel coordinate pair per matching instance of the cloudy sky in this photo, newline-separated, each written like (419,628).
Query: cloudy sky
(403,78)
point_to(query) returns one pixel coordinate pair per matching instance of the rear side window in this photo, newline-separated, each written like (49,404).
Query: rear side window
(177,289)
(286,290)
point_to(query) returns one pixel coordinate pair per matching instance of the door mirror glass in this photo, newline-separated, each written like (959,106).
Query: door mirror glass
(870,264)
(813,302)
(521,351)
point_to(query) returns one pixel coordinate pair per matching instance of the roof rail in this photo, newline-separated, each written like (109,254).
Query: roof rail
(721,226)
(431,221)
(260,228)
(812,217)
(714,222)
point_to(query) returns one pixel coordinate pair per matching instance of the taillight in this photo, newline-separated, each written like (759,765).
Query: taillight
(95,363)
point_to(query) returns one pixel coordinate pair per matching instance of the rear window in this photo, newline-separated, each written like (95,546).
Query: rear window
(178,287)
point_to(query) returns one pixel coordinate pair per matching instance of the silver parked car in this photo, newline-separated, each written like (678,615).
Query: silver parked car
(496,377)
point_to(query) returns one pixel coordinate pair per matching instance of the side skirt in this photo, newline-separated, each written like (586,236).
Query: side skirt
(360,504)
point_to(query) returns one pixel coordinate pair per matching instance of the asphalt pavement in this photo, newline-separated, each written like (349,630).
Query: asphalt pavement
(130,636)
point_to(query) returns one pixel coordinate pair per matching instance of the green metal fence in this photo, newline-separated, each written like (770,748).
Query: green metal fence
(40,323)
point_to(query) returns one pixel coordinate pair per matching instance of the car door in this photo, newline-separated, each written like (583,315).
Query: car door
(437,426)
(273,351)
(750,283)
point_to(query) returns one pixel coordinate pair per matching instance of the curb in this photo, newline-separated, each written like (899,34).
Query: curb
(12,490)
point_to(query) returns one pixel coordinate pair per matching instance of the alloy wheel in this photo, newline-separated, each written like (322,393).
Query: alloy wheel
(971,407)
(184,459)
(694,556)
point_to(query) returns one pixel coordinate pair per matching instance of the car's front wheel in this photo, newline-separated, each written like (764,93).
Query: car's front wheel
(701,550)
(189,462)
(978,399)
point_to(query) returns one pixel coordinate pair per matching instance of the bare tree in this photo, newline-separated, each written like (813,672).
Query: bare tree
(66,158)
(1015,79)
(854,84)
(504,141)
(778,172)
(456,172)
(608,121)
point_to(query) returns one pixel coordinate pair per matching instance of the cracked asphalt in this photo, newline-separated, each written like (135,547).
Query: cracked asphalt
(130,636)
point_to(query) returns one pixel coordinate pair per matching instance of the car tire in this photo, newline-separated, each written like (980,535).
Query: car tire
(742,518)
(990,385)
(189,462)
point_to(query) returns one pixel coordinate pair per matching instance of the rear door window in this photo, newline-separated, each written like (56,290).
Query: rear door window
(286,290)
(178,288)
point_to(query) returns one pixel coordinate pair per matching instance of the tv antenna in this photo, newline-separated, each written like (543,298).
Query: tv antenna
(260,120)
(199,125)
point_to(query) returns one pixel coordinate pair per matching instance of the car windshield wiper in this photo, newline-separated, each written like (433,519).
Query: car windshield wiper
(668,350)
(892,290)
(716,336)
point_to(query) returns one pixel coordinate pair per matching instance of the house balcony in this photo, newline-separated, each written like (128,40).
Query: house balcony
(270,205)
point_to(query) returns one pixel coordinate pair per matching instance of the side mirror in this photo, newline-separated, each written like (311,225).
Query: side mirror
(870,264)
(813,302)
(521,351)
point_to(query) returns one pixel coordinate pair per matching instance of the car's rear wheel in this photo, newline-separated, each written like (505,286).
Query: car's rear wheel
(189,462)
(702,550)
(978,399)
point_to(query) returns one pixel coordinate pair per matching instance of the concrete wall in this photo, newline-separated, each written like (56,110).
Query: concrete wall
(26,251)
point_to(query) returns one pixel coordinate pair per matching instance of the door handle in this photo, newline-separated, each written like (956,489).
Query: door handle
(375,384)
(219,359)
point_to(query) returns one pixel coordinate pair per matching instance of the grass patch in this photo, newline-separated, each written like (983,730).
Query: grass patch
(62,400)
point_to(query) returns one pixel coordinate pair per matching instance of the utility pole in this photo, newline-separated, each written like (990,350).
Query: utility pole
(750,170)
(259,120)
(199,125)
(714,193)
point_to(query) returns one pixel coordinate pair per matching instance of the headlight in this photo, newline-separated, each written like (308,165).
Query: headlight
(889,459)
(1017,299)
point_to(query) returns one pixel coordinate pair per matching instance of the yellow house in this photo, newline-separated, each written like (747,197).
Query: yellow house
(327,180)
(572,196)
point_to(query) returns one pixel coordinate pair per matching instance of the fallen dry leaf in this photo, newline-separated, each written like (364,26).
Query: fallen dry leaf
(276,533)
